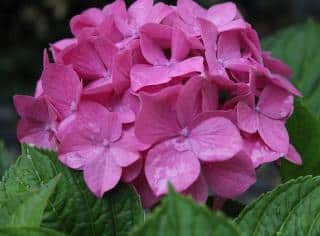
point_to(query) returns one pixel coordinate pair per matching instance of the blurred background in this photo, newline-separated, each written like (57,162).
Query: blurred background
(28,26)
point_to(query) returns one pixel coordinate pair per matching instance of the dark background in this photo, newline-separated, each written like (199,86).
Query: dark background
(26,27)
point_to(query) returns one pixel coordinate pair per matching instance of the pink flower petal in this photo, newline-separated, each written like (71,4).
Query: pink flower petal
(221,14)
(248,119)
(274,134)
(63,87)
(276,66)
(165,164)
(157,120)
(232,177)
(275,102)
(139,11)
(190,65)
(180,46)
(293,156)
(132,172)
(102,174)
(198,190)
(151,51)
(214,139)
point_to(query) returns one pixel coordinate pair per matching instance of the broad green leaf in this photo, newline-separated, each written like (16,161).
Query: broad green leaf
(304,132)
(180,216)
(5,159)
(299,47)
(27,209)
(73,209)
(292,208)
(28,231)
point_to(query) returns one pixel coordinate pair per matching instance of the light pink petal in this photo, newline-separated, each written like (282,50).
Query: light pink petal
(190,65)
(214,139)
(198,190)
(146,75)
(221,14)
(108,29)
(229,46)
(189,10)
(276,66)
(152,52)
(209,36)
(85,60)
(180,46)
(232,177)
(148,198)
(106,51)
(210,96)
(124,157)
(160,34)
(117,8)
(159,12)
(39,89)
(78,159)
(165,164)
(189,102)
(38,109)
(293,156)
(139,11)
(88,19)
(284,83)
(132,172)
(274,134)
(238,24)
(63,87)
(99,87)
(129,141)
(57,47)
(157,119)
(102,174)
(275,102)
(123,62)
(35,133)
(248,119)
(125,106)
(259,152)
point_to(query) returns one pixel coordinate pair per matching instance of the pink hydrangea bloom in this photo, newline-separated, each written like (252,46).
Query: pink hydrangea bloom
(155,94)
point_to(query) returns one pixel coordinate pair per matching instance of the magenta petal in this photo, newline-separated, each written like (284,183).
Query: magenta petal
(276,66)
(148,198)
(34,133)
(80,156)
(121,71)
(232,177)
(165,164)
(89,18)
(157,120)
(106,51)
(63,87)
(284,83)
(180,45)
(215,139)
(85,60)
(102,174)
(293,156)
(274,134)
(221,14)
(146,75)
(193,64)
(152,51)
(159,12)
(259,152)
(275,102)
(124,157)
(130,173)
(139,11)
(248,119)
(229,46)
(198,190)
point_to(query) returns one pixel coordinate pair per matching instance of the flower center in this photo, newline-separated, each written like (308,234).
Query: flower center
(184,132)
(106,143)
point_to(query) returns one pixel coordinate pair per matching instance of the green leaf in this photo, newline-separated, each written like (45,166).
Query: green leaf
(72,209)
(5,159)
(28,231)
(304,132)
(180,216)
(292,208)
(299,47)
(27,209)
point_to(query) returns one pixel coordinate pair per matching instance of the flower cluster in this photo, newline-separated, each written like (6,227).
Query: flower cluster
(155,94)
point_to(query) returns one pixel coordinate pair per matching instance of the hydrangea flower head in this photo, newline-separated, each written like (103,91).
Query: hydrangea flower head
(155,94)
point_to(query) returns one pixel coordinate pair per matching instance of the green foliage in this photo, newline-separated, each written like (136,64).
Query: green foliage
(299,47)
(291,209)
(304,131)
(180,216)
(72,209)
(5,159)
(28,231)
